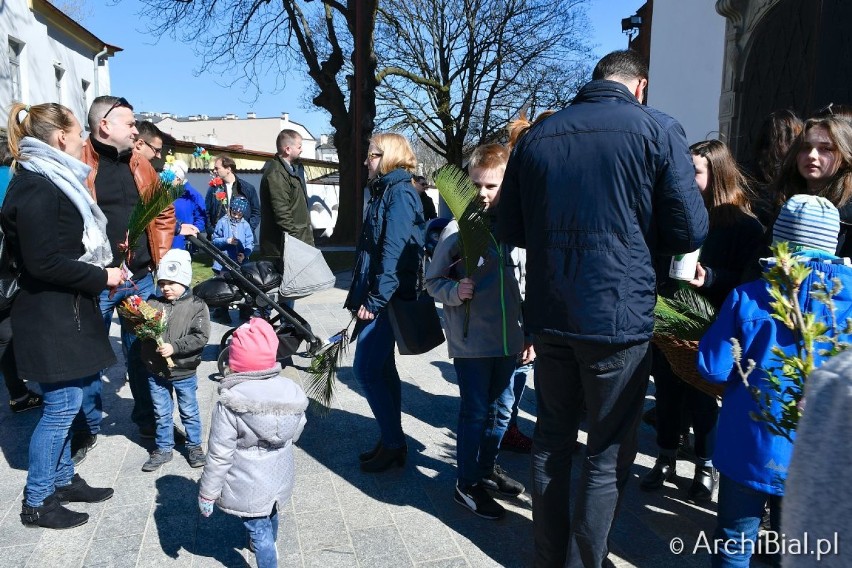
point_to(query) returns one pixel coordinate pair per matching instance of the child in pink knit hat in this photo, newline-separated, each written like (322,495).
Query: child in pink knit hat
(258,417)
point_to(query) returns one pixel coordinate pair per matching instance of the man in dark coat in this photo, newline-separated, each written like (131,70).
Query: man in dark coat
(284,197)
(592,193)
(225,169)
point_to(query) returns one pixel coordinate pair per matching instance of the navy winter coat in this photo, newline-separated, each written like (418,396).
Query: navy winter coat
(592,193)
(390,249)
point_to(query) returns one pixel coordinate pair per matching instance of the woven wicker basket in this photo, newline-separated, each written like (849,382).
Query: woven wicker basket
(682,355)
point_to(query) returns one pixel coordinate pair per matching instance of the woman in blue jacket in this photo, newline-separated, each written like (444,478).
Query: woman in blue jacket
(752,461)
(390,253)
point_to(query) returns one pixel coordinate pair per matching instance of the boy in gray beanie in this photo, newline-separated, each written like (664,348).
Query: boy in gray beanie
(187,331)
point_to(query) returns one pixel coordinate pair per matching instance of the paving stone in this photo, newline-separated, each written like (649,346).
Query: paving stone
(314,493)
(331,557)
(322,530)
(425,537)
(377,542)
(15,556)
(455,562)
(118,552)
(123,521)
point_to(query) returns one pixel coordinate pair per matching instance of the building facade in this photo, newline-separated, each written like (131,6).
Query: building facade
(249,133)
(50,58)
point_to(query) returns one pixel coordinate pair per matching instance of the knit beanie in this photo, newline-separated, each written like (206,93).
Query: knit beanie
(240,204)
(254,347)
(176,265)
(180,168)
(808,222)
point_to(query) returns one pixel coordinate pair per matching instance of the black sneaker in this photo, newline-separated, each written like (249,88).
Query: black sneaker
(156,459)
(477,499)
(81,443)
(196,457)
(498,481)
(32,400)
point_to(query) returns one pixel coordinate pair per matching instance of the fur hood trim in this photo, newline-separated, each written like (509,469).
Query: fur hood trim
(233,379)
(239,404)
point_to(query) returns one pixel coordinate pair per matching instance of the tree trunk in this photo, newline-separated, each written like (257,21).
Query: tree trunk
(353,138)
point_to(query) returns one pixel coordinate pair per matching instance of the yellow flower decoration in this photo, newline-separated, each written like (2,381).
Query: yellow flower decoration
(170,159)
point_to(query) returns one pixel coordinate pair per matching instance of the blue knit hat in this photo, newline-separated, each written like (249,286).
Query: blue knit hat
(808,222)
(240,204)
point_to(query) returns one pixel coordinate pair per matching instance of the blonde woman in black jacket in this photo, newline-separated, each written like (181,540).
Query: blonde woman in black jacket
(57,235)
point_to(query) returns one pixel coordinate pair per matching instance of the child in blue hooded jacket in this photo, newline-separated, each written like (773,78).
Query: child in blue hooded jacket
(752,461)
(233,233)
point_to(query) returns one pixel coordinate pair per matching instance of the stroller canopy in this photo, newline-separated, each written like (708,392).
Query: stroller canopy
(305,270)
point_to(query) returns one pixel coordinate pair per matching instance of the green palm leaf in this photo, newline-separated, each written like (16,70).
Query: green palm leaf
(160,196)
(462,197)
(686,315)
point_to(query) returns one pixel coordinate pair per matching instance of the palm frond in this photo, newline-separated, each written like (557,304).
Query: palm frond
(686,315)
(146,210)
(462,198)
(322,374)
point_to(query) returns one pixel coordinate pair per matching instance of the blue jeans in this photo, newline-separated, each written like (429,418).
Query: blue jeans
(50,447)
(738,522)
(263,532)
(519,383)
(161,394)
(611,380)
(137,375)
(374,367)
(486,397)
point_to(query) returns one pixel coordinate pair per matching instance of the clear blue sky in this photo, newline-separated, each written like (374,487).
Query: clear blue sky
(160,76)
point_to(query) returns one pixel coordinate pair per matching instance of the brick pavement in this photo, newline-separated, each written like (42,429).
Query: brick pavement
(338,516)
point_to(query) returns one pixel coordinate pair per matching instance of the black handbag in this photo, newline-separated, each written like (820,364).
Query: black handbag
(8,274)
(416,325)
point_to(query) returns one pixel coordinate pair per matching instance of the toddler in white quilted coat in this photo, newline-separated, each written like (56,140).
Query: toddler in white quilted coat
(258,417)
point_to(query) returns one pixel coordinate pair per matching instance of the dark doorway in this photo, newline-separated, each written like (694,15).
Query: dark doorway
(800,59)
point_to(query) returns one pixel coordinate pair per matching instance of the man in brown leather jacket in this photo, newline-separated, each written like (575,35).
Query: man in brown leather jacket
(119,177)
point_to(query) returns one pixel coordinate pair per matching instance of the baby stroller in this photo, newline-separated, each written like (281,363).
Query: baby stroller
(255,284)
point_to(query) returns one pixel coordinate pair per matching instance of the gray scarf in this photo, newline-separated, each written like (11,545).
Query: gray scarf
(233,379)
(69,175)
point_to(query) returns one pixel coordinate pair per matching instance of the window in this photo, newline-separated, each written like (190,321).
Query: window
(58,72)
(85,86)
(15,48)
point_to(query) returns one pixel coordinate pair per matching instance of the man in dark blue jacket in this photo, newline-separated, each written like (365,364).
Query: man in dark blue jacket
(593,193)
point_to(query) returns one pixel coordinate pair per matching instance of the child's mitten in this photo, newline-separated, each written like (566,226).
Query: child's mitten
(205,505)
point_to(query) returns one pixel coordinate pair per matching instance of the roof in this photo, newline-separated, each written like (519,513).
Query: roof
(234,152)
(62,21)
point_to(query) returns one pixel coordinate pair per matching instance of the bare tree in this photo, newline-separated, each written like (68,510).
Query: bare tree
(77,10)
(251,39)
(454,72)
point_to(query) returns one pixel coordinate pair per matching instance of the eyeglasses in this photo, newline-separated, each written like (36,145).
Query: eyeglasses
(374,155)
(121,102)
(157,151)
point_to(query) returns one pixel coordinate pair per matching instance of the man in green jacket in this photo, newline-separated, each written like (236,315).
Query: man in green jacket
(284,197)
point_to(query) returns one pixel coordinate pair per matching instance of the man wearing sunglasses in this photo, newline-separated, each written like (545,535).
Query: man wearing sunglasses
(149,140)
(120,176)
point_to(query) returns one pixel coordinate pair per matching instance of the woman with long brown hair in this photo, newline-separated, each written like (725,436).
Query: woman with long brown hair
(820,163)
(734,239)
(57,235)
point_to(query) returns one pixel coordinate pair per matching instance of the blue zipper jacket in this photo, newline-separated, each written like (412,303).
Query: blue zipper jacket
(745,449)
(390,248)
(241,231)
(189,208)
(592,193)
